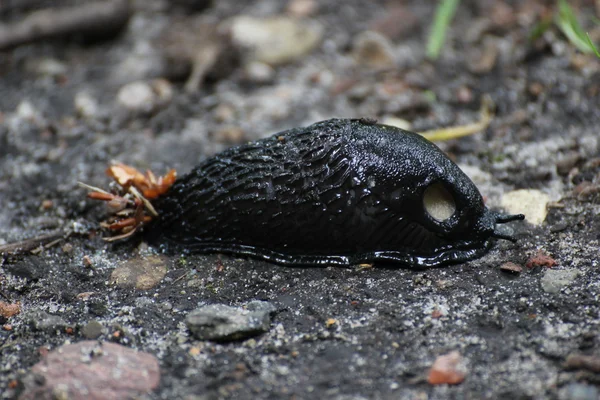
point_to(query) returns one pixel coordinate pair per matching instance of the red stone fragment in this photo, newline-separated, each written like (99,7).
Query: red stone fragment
(7,310)
(540,259)
(447,369)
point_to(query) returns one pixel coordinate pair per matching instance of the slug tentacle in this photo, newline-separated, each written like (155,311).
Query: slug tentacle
(339,192)
(502,219)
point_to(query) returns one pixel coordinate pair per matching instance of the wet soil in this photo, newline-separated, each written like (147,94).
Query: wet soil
(337,333)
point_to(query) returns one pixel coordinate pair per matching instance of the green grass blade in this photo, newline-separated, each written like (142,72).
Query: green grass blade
(443,15)
(591,44)
(570,27)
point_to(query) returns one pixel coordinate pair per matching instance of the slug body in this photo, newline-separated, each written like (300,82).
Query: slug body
(339,192)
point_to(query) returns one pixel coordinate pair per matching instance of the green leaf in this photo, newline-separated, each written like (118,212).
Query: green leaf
(443,15)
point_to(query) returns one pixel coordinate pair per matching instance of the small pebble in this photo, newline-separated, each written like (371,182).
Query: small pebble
(397,122)
(579,391)
(92,330)
(230,135)
(511,268)
(86,105)
(8,310)
(144,96)
(224,113)
(373,50)
(223,323)
(46,67)
(259,72)
(87,261)
(554,280)
(530,202)
(302,8)
(47,204)
(41,321)
(275,40)
(447,369)
(540,259)
(142,273)
(67,248)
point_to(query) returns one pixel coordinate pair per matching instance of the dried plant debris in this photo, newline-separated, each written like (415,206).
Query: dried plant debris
(455,132)
(129,204)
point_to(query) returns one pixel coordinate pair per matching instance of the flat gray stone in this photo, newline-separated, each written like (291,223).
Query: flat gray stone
(554,280)
(219,322)
(41,321)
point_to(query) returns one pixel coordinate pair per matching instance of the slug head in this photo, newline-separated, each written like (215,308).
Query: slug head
(422,183)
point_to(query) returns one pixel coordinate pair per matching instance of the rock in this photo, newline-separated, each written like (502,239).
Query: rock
(145,97)
(261,306)
(26,111)
(259,72)
(540,259)
(511,267)
(373,50)
(94,371)
(46,67)
(41,321)
(8,310)
(302,8)
(389,25)
(275,40)
(142,273)
(579,391)
(447,369)
(582,361)
(397,122)
(556,279)
(92,330)
(230,135)
(86,105)
(223,323)
(224,113)
(530,202)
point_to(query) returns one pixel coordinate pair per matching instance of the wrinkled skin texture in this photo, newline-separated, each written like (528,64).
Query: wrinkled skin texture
(339,192)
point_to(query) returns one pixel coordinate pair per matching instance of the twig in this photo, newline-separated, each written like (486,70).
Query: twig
(48,245)
(180,278)
(144,200)
(100,18)
(26,245)
(3,295)
(92,188)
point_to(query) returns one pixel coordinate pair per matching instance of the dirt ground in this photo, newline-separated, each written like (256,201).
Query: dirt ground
(162,85)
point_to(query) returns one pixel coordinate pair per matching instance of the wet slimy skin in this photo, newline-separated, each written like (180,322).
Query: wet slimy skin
(338,192)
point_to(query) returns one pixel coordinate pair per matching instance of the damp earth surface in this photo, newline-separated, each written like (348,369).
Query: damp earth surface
(162,85)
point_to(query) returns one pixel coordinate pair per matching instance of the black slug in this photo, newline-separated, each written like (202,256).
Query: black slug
(339,192)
